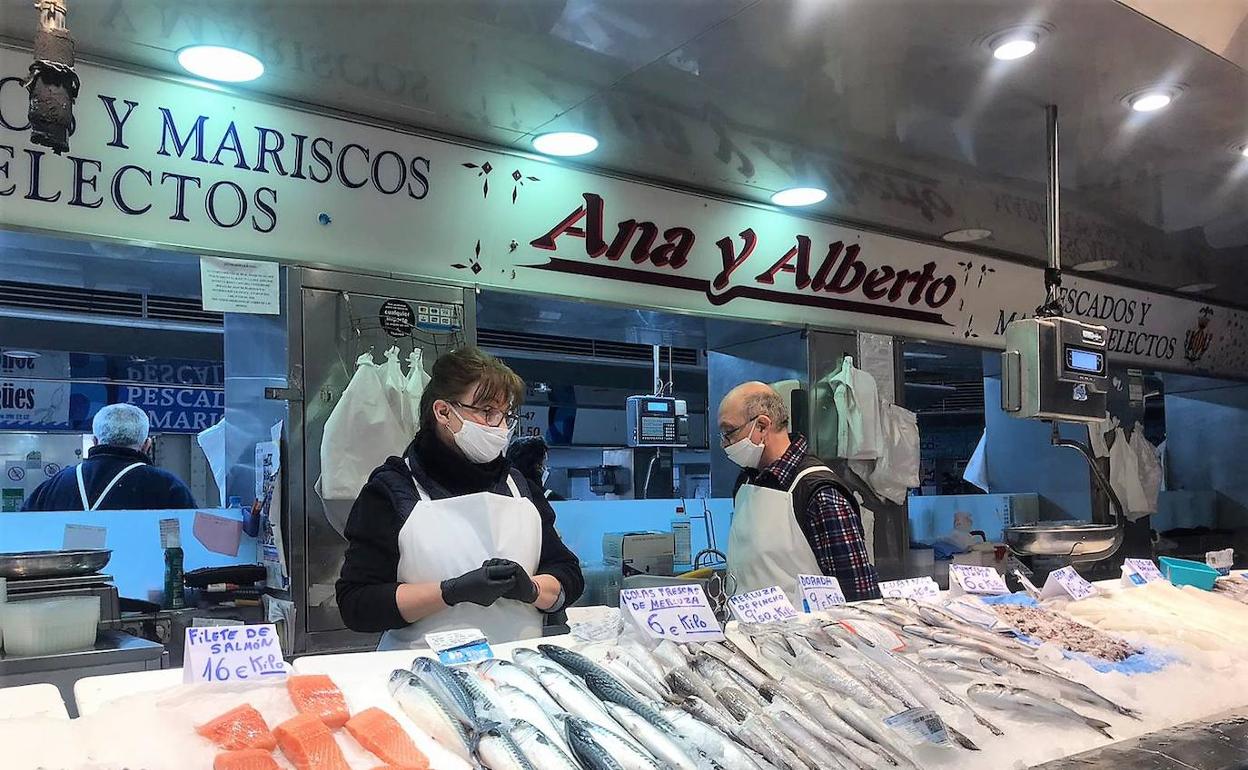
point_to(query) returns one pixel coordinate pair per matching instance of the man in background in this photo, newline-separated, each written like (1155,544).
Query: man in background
(529,455)
(792,515)
(117,474)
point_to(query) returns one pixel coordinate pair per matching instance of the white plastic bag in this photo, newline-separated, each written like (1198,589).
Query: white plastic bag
(1150,469)
(361,432)
(414,388)
(977,467)
(897,469)
(1124,477)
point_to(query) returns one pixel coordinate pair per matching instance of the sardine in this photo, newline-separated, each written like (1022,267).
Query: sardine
(662,742)
(591,741)
(427,711)
(442,683)
(1006,698)
(499,751)
(544,753)
(500,672)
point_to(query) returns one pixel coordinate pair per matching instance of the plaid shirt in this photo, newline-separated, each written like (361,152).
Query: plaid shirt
(831,526)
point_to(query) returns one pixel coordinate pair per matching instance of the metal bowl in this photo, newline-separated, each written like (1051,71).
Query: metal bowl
(40,564)
(1080,541)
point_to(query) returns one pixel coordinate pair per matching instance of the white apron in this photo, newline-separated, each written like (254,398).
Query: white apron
(87,505)
(445,538)
(766,547)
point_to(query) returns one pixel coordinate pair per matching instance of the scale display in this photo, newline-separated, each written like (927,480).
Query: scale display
(656,421)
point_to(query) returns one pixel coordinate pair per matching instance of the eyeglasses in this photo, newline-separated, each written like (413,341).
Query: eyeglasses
(725,436)
(492,416)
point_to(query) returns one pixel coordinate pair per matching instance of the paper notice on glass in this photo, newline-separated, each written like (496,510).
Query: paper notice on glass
(212,442)
(83,537)
(217,533)
(170,533)
(239,285)
(266,465)
(272,550)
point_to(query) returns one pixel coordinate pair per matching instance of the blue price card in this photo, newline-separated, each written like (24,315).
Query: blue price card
(463,645)
(232,654)
(680,613)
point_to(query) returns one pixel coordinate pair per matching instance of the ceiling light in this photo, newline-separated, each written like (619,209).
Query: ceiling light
(1196,288)
(1244,150)
(1150,101)
(215,62)
(1009,48)
(966,235)
(922,354)
(798,196)
(565,144)
(1095,265)
(25,355)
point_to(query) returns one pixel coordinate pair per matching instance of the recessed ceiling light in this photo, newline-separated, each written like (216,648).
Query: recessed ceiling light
(798,196)
(565,144)
(1011,47)
(966,235)
(1196,288)
(1150,101)
(1095,265)
(1244,150)
(25,355)
(216,62)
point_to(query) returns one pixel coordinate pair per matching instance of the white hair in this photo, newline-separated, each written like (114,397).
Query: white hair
(123,425)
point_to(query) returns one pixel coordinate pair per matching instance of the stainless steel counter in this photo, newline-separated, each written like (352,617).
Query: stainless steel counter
(114,653)
(1217,743)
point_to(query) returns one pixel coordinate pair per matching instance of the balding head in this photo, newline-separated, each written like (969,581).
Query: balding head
(747,402)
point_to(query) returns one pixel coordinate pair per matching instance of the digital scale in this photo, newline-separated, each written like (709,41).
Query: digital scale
(657,421)
(1055,369)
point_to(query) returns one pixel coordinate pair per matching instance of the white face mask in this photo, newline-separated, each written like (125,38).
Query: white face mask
(745,453)
(545,475)
(481,443)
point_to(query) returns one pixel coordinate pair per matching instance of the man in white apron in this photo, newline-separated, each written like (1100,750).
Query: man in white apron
(792,515)
(117,474)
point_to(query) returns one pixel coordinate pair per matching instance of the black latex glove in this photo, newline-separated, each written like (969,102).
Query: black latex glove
(484,585)
(524,590)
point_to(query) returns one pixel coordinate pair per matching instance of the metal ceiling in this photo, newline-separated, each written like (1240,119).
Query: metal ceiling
(895,106)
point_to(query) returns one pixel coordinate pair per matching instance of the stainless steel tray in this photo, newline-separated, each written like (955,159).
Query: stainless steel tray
(1080,541)
(41,564)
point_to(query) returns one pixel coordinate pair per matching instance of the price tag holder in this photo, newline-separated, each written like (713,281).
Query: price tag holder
(910,588)
(819,592)
(766,605)
(679,613)
(1068,583)
(1137,572)
(463,645)
(974,579)
(232,654)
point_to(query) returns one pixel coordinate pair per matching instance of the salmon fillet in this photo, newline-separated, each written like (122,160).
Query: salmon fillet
(246,759)
(381,734)
(309,744)
(239,728)
(317,694)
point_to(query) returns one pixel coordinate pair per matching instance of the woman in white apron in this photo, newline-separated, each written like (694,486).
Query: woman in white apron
(449,536)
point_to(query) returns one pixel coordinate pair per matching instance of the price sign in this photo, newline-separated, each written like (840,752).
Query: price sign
(463,645)
(920,725)
(819,592)
(974,579)
(1137,572)
(232,654)
(679,613)
(910,588)
(766,605)
(1067,582)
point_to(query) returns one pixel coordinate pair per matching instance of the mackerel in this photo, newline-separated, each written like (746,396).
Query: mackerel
(715,743)
(544,753)
(662,742)
(499,751)
(608,689)
(427,712)
(499,672)
(585,735)
(442,683)
(517,704)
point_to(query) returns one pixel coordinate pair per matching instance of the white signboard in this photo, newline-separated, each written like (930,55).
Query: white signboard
(766,605)
(1065,582)
(819,592)
(975,579)
(679,613)
(232,654)
(239,286)
(1137,572)
(173,163)
(909,588)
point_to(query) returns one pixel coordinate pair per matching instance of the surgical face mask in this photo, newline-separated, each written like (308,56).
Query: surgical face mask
(745,453)
(545,475)
(481,443)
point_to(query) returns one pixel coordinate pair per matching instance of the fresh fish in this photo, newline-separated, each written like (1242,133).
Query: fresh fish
(881,680)
(871,728)
(835,726)
(497,750)
(442,683)
(544,753)
(710,715)
(959,737)
(534,662)
(804,714)
(968,659)
(814,751)
(500,672)
(592,742)
(684,683)
(621,670)
(757,733)
(1034,706)
(782,705)
(941,619)
(944,636)
(950,671)
(643,665)
(736,702)
(826,671)
(608,690)
(517,704)
(662,743)
(483,696)
(1056,685)
(570,659)
(738,663)
(721,677)
(427,711)
(718,745)
(575,699)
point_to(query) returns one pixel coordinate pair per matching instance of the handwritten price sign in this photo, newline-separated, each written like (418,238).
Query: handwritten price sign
(232,654)
(1140,571)
(1066,581)
(974,579)
(679,613)
(910,588)
(819,592)
(766,605)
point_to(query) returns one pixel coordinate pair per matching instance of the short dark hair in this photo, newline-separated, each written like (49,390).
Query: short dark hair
(527,454)
(455,371)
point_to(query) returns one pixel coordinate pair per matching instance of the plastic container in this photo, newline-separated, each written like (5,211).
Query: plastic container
(1183,572)
(49,626)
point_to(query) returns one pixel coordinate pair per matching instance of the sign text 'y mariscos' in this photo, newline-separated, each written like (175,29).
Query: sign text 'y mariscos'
(836,275)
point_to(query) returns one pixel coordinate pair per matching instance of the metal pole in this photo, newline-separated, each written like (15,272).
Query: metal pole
(1051,230)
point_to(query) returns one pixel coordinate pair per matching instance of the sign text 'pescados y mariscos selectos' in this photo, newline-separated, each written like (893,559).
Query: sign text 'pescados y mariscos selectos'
(835,276)
(223,147)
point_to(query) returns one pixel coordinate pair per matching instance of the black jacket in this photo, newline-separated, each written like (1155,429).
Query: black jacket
(146,488)
(366,586)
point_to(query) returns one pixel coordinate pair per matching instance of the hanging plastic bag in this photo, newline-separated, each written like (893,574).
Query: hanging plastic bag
(897,469)
(414,388)
(1150,468)
(361,432)
(1124,477)
(977,468)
